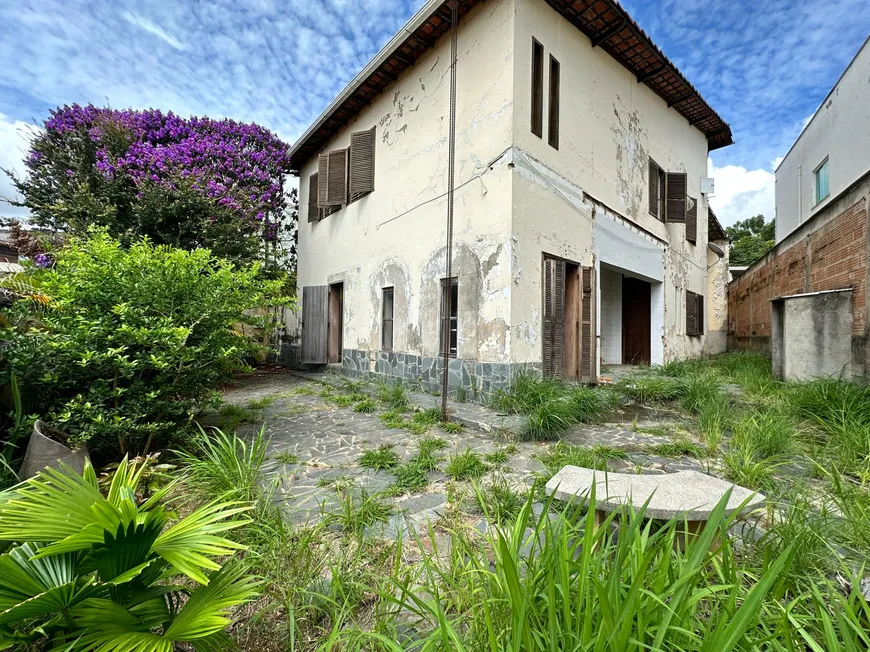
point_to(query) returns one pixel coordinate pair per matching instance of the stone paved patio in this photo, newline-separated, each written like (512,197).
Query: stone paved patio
(314,443)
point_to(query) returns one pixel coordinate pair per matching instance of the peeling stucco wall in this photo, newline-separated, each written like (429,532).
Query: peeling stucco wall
(517,198)
(395,236)
(610,126)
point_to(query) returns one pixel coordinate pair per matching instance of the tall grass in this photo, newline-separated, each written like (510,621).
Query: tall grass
(568,586)
(221,463)
(840,413)
(550,406)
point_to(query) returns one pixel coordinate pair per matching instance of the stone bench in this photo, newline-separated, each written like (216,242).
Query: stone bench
(687,495)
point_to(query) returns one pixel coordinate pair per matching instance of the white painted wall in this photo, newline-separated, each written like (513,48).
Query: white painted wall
(610,126)
(610,331)
(395,236)
(517,198)
(840,131)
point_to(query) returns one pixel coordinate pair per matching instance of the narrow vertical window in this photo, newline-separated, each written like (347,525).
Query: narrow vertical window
(537,88)
(449,316)
(387,320)
(822,188)
(553,124)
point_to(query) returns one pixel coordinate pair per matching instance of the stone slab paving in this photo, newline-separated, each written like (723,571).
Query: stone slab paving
(315,446)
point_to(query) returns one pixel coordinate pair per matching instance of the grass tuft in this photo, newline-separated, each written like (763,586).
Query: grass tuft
(365,406)
(466,465)
(378,459)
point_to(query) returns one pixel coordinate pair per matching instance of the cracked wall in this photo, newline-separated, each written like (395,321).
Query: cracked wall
(395,236)
(610,126)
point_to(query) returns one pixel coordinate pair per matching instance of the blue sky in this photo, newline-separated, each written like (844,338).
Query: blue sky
(764,65)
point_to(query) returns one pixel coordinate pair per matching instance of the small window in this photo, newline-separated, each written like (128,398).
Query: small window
(822,187)
(553,124)
(449,312)
(537,89)
(387,320)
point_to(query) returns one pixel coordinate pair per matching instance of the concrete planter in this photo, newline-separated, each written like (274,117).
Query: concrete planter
(46,449)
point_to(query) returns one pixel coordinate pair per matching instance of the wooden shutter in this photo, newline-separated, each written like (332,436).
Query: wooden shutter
(692,220)
(691,313)
(336,191)
(362,163)
(675,191)
(313,210)
(322,177)
(537,88)
(654,189)
(553,339)
(315,323)
(553,125)
(588,341)
(699,314)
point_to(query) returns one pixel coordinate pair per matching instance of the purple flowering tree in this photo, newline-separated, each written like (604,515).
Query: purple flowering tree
(188,182)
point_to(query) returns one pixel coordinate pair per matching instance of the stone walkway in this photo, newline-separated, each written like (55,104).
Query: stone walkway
(315,447)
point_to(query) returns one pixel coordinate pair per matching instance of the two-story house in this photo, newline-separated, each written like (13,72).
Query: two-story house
(581,226)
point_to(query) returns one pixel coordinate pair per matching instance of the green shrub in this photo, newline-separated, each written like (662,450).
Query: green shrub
(769,431)
(91,572)
(427,449)
(499,503)
(451,426)
(699,389)
(131,341)
(466,465)
(383,457)
(427,417)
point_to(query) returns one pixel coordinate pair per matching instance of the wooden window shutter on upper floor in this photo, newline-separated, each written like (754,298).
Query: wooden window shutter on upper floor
(313,210)
(336,186)
(675,192)
(322,177)
(553,122)
(362,163)
(537,88)
(654,189)
(692,221)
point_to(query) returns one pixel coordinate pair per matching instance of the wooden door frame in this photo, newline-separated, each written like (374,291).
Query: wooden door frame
(335,330)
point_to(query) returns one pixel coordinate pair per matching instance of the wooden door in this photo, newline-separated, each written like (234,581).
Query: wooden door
(635,321)
(315,323)
(568,338)
(553,336)
(588,339)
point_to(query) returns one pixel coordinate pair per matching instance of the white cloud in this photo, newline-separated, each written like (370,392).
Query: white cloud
(152,28)
(13,144)
(742,193)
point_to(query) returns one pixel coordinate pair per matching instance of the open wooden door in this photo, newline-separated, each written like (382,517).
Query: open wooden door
(315,324)
(568,338)
(553,336)
(588,340)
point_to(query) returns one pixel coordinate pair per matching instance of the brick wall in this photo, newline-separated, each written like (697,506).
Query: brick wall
(829,252)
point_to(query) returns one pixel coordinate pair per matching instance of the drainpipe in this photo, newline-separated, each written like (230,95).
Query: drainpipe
(451,165)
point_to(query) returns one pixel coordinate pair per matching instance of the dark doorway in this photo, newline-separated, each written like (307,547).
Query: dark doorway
(635,321)
(336,322)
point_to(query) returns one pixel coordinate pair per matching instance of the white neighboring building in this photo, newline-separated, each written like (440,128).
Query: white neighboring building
(831,153)
(581,232)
